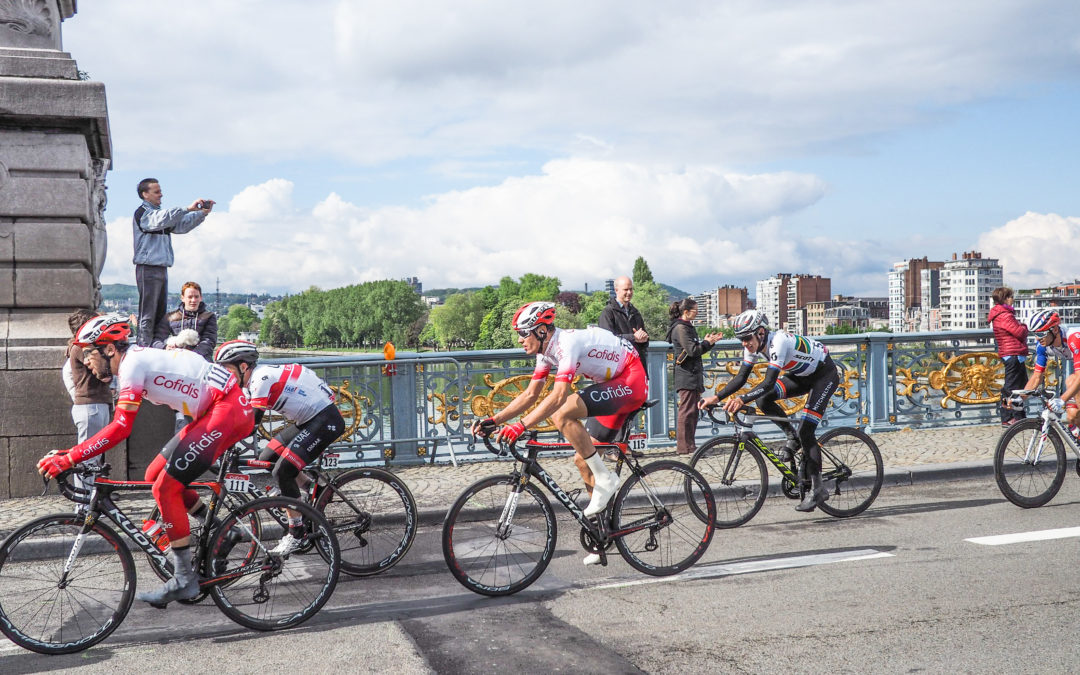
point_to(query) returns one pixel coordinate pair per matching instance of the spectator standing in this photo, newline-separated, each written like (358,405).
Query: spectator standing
(192,326)
(1011,338)
(689,377)
(623,319)
(88,383)
(152,228)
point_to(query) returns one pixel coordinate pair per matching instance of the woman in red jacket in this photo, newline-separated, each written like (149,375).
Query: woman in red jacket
(1011,338)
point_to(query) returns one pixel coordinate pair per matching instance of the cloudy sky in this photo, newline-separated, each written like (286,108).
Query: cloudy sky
(461,142)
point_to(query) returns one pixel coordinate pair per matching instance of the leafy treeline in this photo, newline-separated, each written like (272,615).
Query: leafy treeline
(372,313)
(362,315)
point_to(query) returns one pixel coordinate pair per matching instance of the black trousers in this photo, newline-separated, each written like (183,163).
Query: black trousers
(153,283)
(1015,378)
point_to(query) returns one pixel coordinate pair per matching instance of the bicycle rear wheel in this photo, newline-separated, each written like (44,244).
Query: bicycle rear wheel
(264,590)
(852,470)
(373,514)
(45,611)
(1027,471)
(660,507)
(497,539)
(738,479)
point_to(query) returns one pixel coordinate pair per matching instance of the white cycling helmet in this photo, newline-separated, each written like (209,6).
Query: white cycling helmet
(748,322)
(236,351)
(532,315)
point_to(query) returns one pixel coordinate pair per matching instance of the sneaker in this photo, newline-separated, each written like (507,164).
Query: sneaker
(592,559)
(287,545)
(602,493)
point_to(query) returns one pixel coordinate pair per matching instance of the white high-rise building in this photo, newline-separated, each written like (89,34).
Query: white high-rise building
(966,285)
(913,294)
(772,298)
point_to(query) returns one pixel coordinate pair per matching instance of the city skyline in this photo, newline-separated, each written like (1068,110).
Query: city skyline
(722,142)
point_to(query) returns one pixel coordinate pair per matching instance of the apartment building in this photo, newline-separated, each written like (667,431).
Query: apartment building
(966,285)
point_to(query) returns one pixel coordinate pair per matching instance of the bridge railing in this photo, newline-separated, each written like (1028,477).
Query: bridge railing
(419,407)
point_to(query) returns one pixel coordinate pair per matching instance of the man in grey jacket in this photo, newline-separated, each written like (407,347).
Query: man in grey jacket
(152,228)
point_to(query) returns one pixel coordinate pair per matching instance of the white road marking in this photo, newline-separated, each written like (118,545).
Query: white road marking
(1020,537)
(709,571)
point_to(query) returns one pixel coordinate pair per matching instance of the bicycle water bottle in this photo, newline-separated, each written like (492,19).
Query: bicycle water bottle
(153,530)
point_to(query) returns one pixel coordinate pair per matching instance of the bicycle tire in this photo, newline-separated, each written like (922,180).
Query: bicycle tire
(374,516)
(678,537)
(738,479)
(493,560)
(1023,483)
(43,619)
(853,461)
(266,591)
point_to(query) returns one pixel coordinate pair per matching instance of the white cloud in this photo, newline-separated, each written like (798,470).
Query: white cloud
(1035,249)
(697,81)
(581,220)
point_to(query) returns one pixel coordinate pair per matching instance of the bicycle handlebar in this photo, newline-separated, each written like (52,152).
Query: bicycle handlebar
(744,417)
(500,452)
(68,489)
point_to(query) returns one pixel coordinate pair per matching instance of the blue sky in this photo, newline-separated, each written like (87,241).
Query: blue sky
(725,142)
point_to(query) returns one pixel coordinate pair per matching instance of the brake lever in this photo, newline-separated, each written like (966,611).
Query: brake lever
(45,479)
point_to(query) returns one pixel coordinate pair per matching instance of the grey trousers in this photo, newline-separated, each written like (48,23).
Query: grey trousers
(153,282)
(89,418)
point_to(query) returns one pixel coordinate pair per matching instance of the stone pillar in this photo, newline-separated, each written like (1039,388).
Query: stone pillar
(54,152)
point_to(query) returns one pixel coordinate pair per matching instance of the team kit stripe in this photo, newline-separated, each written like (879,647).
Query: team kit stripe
(811,416)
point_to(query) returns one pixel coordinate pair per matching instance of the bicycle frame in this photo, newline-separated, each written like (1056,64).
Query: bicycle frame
(99,502)
(596,526)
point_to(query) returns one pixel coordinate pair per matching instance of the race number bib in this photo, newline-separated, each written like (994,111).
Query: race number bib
(237,482)
(330,460)
(638,441)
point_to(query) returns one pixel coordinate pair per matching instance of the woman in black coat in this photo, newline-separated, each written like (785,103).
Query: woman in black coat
(689,373)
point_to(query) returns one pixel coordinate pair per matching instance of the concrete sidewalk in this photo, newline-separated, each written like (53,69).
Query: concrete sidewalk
(910,456)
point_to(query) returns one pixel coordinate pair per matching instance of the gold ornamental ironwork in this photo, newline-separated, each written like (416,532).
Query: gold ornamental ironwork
(971,378)
(348,403)
(502,392)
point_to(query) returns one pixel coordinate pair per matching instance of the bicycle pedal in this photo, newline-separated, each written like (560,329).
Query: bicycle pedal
(158,605)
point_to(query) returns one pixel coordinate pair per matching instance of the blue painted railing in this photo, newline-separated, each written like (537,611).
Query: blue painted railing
(418,407)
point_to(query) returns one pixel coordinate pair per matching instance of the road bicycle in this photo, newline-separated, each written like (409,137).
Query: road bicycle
(68,580)
(734,465)
(500,534)
(1026,472)
(372,511)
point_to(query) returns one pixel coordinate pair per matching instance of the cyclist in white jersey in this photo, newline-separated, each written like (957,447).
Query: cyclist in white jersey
(807,368)
(211,394)
(302,398)
(621,388)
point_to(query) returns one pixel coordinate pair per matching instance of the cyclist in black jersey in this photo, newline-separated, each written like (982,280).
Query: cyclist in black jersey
(807,368)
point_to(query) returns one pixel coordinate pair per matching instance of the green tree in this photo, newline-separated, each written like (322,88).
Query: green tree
(592,305)
(642,274)
(458,321)
(239,319)
(651,301)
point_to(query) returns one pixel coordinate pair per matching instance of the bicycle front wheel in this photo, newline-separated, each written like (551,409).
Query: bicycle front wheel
(658,511)
(260,587)
(47,611)
(1028,471)
(373,514)
(852,470)
(499,536)
(738,479)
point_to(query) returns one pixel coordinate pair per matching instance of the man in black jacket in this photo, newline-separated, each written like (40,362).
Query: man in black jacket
(623,319)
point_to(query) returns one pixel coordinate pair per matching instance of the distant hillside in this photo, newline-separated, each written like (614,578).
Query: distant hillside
(672,292)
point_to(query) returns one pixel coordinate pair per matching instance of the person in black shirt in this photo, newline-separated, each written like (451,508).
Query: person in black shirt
(623,319)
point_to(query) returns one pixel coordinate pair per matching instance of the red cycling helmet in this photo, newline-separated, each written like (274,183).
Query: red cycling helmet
(532,315)
(103,330)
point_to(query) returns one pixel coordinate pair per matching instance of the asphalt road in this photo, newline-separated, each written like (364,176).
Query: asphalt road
(898,589)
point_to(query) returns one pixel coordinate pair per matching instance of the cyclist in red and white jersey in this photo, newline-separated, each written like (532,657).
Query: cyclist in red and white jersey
(1053,341)
(620,390)
(302,398)
(184,381)
(807,368)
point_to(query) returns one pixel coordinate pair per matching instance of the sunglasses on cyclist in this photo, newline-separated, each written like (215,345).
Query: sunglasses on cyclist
(524,333)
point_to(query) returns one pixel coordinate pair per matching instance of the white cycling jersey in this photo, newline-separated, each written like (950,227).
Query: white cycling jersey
(593,352)
(290,389)
(178,378)
(791,353)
